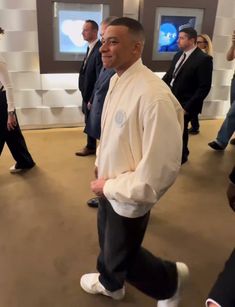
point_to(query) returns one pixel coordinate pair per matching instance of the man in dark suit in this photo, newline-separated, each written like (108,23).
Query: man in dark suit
(189,78)
(88,75)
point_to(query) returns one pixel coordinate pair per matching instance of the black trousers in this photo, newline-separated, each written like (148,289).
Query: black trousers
(13,138)
(91,142)
(123,259)
(223,291)
(195,122)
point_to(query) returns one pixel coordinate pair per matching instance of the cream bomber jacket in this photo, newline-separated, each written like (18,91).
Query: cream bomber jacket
(5,81)
(141,141)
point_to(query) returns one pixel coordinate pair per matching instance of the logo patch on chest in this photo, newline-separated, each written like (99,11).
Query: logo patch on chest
(120,118)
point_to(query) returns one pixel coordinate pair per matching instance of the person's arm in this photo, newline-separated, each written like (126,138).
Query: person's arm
(161,158)
(204,78)
(231,52)
(5,80)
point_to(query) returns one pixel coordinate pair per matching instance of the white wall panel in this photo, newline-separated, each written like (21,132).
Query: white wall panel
(30,117)
(18,4)
(59,81)
(28,98)
(219,93)
(67,116)
(19,41)
(222,77)
(60,98)
(19,20)
(214,109)
(223,25)
(226,8)
(22,61)
(26,80)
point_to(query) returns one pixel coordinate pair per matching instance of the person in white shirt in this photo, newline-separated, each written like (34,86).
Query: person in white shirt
(10,132)
(138,159)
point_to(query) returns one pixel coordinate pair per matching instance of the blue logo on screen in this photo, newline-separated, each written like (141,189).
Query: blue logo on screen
(168,34)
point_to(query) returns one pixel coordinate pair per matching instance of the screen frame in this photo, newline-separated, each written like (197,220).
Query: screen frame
(47,62)
(147,18)
(174,12)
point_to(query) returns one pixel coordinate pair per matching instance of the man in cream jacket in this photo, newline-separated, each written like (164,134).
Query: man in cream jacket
(138,159)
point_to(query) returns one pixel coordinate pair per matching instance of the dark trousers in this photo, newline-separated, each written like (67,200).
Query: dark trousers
(185,151)
(223,291)
(91,142)
(13,138)
(123,259)
(195,122)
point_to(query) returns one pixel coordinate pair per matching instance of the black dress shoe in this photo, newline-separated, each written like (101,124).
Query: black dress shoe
(232,142)
(93,202)
(85,152)
(193,131)
(214,145)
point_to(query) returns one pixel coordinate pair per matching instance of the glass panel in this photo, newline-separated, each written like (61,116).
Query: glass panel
(68,20)
(168,22)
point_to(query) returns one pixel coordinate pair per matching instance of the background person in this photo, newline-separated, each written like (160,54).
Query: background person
(205,44)
(138,159)
(93,126)
(88,75)
(189,78)
(228,127)
(10,132)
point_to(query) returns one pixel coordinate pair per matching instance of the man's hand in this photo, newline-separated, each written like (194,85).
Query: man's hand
(11,121)
(97,186)
(89,106)
(231,195)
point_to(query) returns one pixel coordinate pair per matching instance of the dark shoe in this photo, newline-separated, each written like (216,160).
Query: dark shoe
(93,202)
(193,131)
(215,146)
(232,142)
(85,152)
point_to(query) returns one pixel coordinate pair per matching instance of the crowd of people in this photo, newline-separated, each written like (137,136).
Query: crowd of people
(141,123)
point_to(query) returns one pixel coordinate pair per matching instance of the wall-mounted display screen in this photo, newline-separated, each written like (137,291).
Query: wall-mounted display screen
(68,22)
(168,22)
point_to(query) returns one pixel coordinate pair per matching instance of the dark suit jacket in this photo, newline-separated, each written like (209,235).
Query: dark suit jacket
(100,90)
(193,81)
(89,73)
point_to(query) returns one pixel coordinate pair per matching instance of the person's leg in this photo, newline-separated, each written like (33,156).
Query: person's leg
(91,142)
(223,291)
(195,124)
(185,151)
(122,258)
(18,148)
(227,129)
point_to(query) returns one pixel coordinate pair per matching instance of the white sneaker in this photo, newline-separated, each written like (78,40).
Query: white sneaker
(13,169)
(183,273)
(91,284)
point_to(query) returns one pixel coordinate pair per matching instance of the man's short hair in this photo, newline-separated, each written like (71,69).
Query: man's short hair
(134,26)
(94,25)
(191,33)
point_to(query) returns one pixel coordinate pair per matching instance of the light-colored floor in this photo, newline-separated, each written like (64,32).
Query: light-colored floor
(48,235)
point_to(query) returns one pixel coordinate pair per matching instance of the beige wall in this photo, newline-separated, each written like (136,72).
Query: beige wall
(53,99)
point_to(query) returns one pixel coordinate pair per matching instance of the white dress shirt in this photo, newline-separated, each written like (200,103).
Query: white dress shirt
(5,81)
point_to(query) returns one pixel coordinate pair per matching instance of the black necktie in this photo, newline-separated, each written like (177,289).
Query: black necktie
(86,56)
(179,66)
